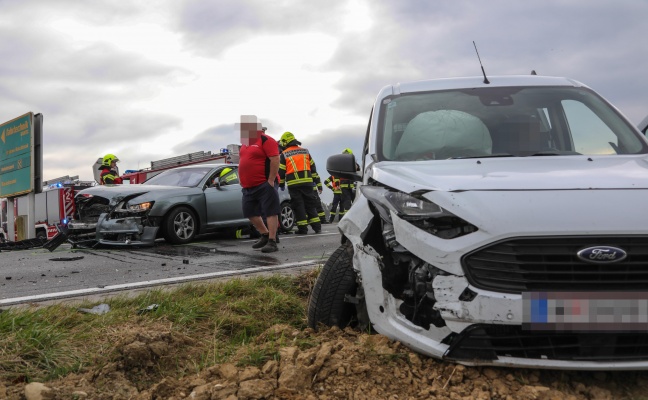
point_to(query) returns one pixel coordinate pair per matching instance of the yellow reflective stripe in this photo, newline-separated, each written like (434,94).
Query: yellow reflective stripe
(294,167)
(313,220)
(299,181)
(302,223)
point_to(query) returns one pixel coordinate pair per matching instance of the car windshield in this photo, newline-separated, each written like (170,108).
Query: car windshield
(187,177)
(502,122)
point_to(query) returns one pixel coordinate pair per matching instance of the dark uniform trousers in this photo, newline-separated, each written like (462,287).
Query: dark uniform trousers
(318,206)
(304,204)
(347,188)
(337,201)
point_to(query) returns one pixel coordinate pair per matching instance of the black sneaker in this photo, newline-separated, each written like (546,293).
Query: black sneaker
(270,247)
(261,242)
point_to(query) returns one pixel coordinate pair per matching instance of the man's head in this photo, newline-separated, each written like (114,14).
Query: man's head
(286,138)
(250,128)
(109,160)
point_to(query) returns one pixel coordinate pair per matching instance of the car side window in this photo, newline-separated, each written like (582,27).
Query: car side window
(230,178)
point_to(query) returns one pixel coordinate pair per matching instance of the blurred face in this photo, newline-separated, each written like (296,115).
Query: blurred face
(250,132)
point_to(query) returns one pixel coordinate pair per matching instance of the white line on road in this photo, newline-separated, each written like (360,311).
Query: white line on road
(136,285)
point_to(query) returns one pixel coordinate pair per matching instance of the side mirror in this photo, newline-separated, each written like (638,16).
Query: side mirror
(343,166)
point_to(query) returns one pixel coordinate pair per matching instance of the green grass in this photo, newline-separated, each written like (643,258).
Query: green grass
(223,321)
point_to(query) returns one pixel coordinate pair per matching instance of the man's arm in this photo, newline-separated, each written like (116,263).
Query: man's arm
(274,169)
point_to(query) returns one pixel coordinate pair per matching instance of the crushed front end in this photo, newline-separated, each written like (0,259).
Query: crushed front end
(458,287)
(121,220)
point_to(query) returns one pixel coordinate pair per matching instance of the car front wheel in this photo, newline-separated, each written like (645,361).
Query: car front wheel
(180,226)
(337,280)
(286,217)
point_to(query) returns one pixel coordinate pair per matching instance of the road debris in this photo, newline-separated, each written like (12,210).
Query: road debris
(150,308)
(100,309)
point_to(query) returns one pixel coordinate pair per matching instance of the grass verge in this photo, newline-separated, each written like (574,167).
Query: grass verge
(210,323)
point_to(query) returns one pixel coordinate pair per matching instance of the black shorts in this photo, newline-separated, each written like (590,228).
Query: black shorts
(260,201)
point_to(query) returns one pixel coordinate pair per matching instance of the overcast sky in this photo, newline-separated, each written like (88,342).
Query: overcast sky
(147,80)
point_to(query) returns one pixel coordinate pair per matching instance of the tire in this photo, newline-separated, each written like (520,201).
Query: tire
(180,226)
(41,234)
(286,217)
(336,280)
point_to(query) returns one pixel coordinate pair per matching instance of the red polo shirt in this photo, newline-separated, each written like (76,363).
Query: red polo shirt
(254,165)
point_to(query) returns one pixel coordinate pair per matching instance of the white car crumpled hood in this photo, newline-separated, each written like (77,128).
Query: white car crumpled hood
(516,173)
(530,197)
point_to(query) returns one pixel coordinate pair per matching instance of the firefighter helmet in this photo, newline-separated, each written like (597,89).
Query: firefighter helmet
(286,138)
(108,159)
(225,171)
(347,151)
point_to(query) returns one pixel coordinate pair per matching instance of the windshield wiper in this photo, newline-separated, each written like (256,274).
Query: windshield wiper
(496,155)
(555,153)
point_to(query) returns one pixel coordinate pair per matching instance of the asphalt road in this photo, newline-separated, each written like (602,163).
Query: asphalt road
(37,275)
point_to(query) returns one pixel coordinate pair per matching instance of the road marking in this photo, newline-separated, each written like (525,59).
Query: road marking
(137,285)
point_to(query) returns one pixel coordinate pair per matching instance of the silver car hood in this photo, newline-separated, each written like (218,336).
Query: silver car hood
(516,173)
(112,191)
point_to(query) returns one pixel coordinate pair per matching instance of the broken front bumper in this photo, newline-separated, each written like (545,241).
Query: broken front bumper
(128,231)
(481,328)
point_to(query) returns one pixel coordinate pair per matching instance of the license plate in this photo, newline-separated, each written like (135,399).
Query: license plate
(585,311)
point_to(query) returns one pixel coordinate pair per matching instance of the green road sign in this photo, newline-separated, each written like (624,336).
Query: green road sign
(16,154)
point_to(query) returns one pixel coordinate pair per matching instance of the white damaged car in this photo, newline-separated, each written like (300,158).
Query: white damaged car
(497,223)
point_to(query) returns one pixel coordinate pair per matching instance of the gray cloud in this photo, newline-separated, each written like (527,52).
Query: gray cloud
(92,96)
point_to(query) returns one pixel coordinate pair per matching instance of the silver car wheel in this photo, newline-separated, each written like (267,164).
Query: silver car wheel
(184,225)
(286,217)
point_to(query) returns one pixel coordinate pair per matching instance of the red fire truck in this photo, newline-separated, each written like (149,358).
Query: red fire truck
(225,155)
(53,206)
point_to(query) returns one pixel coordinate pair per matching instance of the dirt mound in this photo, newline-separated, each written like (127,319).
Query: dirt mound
(332,364)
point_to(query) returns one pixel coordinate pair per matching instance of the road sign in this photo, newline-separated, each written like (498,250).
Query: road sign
(16,156)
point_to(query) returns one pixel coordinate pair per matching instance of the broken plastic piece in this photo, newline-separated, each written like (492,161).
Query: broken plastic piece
(150,308)
(100,309)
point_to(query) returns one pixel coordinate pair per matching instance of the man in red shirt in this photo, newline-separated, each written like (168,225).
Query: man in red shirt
(258,171)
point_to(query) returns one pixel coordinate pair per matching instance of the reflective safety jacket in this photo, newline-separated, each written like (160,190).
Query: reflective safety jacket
(109,176)
(333,183)
(297,167)
(347,184)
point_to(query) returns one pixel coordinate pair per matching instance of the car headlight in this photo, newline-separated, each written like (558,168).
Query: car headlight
(419,211)
(141,207)
(406,206)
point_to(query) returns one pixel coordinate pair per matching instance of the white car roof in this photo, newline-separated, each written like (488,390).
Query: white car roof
(477,82)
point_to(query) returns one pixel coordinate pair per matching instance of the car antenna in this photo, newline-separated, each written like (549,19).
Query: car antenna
(486,81)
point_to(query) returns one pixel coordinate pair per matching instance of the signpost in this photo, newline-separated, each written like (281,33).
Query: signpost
(21,164)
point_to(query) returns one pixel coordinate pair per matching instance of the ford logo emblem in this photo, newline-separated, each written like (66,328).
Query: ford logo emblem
(602,254)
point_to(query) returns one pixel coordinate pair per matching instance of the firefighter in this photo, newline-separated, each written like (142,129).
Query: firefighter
(347,188)
(297,171)
(108,168)
(333,183)
(228,176)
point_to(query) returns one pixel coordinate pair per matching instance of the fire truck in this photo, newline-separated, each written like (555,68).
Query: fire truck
(53,206)
(227,155)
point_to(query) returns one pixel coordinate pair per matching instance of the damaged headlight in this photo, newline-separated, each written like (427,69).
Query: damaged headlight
(141,207)
(406,206)
(419,211)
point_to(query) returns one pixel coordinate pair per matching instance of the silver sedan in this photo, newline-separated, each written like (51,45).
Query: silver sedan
(177,204)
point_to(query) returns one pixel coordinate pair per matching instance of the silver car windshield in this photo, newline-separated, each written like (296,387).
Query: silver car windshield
(187,177)
(502,122)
